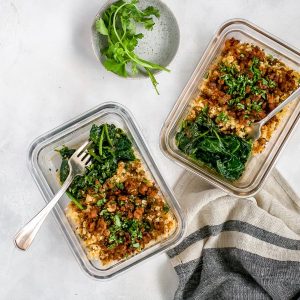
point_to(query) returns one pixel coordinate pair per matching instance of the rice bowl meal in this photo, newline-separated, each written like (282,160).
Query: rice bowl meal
(242,86)
(116,209)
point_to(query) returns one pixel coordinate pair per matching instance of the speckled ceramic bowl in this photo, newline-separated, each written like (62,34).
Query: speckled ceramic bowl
(158,45)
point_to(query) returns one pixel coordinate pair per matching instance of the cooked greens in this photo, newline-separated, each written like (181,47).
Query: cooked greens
(116,209)
(202,140)
(110,145)
(118,25)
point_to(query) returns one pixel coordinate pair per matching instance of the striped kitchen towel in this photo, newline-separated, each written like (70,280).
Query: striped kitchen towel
(238,248)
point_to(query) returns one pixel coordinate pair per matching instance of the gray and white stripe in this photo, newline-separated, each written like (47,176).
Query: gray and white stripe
(238,248)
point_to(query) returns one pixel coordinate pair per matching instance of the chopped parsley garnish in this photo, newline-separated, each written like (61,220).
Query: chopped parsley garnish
(272,84)
(240,106)
(120,185)
(166,208)
(136,245)
(222,117)
(117,221)
(101,202)
(105,214)
(132,226)
(257,106)
(114,238)
(241,86)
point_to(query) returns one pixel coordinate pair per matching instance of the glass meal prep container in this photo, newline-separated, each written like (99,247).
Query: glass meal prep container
(44,163)
(259,166)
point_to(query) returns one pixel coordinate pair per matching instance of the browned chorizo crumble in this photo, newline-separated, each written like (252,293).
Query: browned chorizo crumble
(123,216)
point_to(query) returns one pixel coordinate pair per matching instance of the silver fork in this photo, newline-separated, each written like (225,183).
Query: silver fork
(255,130)
(77,164)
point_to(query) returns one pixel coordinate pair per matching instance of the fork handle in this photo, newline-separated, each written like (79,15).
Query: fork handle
(277,109)
(26,235)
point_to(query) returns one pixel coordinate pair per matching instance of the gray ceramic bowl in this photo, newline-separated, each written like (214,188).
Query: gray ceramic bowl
(158,45)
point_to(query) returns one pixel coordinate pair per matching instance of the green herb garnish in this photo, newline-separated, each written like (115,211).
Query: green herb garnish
(222,117)
(132,226)
(120,185)
(240,86)
(101,202)
(118,25)
(117,221)
(166,208)
(105,214)
(256,106)
(240,106)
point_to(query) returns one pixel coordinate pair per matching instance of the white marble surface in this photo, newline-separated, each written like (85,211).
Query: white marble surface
(48,74)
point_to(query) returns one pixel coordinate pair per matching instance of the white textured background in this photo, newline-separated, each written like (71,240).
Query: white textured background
(48,74)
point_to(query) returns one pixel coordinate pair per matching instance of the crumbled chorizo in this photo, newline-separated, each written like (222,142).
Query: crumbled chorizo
(131,186)
(123,198)
(143,189)
(101,225)
(138,213)
(89,198)
(121,224)
(111,206)
(92,226)
(152,192)
(93,213)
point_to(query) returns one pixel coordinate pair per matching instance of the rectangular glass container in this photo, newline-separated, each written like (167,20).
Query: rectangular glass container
(44,163)
(259,166)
